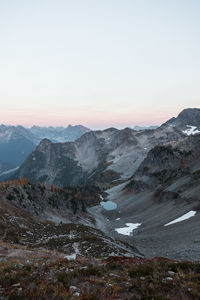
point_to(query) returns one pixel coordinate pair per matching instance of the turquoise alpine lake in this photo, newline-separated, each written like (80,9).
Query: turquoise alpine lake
(108,205)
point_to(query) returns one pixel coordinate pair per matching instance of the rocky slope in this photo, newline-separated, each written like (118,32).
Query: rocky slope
(188,121)
(171,161)
(162,199)
(46,260)
(55,219)
(49,204)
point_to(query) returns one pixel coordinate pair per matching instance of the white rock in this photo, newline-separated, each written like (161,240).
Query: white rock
(71,257)
(171,273)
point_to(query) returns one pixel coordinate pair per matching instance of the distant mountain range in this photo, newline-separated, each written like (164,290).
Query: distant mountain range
(97,156)
(145,127)
(96,148)
(17,142)
(59,134)
(103,156)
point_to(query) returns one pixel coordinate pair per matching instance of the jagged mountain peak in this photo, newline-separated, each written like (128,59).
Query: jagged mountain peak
(44,144)
(175,159)
(187,122)
(191,116)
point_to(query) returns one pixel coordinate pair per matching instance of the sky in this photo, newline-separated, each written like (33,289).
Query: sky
(99,63)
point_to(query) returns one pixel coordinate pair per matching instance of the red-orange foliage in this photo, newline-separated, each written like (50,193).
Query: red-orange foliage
(19,182)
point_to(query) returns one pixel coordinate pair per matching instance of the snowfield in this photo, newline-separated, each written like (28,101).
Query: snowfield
(128,230)
(9,171)
(191,130)
(190,214)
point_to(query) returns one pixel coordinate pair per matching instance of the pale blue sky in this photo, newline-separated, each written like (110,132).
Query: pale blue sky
(100,63)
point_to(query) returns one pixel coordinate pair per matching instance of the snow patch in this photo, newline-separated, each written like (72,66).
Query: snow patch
(128,230)
(76,248)
(9,171)
(190,214)
(191,130)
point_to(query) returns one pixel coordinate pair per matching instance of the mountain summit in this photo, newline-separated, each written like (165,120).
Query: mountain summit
(190,116)
(188,121)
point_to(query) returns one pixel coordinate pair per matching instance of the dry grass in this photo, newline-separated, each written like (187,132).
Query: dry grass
(44,277)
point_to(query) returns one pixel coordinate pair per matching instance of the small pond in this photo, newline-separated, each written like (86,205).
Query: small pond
(108,205)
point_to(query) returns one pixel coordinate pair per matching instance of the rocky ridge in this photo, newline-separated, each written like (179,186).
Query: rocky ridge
(100,157)
(17,142)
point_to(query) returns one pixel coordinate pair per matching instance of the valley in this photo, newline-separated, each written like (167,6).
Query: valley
(111,193)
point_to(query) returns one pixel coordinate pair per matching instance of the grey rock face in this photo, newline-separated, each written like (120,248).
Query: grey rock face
(190,116)
(53,163)
(100,157)
(172,160)
(188,121)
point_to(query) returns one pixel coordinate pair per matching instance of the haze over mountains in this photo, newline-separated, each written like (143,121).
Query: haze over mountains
(58,134)
(145,127)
